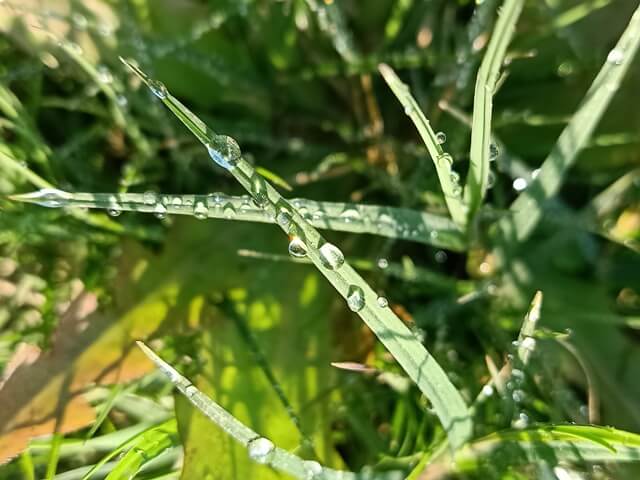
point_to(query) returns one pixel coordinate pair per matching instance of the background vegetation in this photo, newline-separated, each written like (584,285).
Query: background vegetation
(297,84)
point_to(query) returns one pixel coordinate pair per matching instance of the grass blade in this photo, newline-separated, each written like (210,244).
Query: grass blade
(259,448)
(400,223)
(361,298)
(486,80)
(527,209)
(449,179)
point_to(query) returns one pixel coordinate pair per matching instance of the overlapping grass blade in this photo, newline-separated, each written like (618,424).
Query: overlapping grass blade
(391,222)
(449,181)
(486,81)
(268,453)
(421,367)
(528,208)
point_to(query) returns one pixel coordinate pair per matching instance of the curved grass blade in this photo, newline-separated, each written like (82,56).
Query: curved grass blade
(528,208)
(400,223)
(449,179)
(259,448)
(486,81)
(361,298)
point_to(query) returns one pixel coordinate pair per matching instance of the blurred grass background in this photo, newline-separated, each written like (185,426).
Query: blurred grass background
(296,83)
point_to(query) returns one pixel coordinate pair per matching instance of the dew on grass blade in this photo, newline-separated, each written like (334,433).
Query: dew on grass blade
(297,248)
(616,56)
(158,89)
(494,152)
(224,150)
(160,211)
(45,197)
(313,469)
(149,198)
(355,298)
(441,138)
(331,256)
(383,263)
(260,449)
(519,184)
(200,210)
(383,302)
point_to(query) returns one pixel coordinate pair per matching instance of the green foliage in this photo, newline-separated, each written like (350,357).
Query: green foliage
(308,96)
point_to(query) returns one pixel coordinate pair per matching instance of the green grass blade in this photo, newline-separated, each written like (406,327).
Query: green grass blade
(259,448)
(478,177)
(528,208)
(449,180)
(399,223)
(361,298)
(54,456)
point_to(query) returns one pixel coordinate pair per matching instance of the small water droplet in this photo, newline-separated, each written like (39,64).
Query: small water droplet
(122,100)
(454,177)
(158,89)
(519,184)
(331,256)
(494,152)
(176,203)
(518,396)
(408,109)
(528,343)
(284,219)
(313,469)
(216,200)
(521,422)
(149,198)
(446,159)
(297,248)
(104,74)
(355,298)
(441,138)
(114,210)
(160,211)
(200,211)
(487,390)
(260,449)
(259,191)
(229,210)
(350,215)
(383,302)
(441,256)
(383,263)
(616,56)
(225,151)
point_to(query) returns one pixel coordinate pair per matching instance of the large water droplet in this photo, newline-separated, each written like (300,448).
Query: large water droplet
(441,137)
(224,151)
(48,197)
(616,56)
(259,191)
(200,211)
(297,248)
(519,184)
(355,298)
(260,449)
(331,256)
(158,89)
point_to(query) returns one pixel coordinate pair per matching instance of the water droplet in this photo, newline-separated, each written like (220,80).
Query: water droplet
(441,138)
(225,151)
(260,449)
(122,100)
(259,191)
(104,74)
(529,343)
(487,390)
(518,375)
(383,302)
(176,203)
(149,198)
(521,422)
(200,211)
(518,396)
(313,469)
(519,184)
(284,219)
(350,215)
(408,109)
(79,20)
(216,200)
(114,210)
(355,298)
(383,263)
(433,234)
(48,197)
(494,152)
(297,248)
(454,177)
(158,89)
(229,210)
(616,56)
(535,173)
(440,256)
(246,205)
(331,256)
(160,211)
(446,159)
